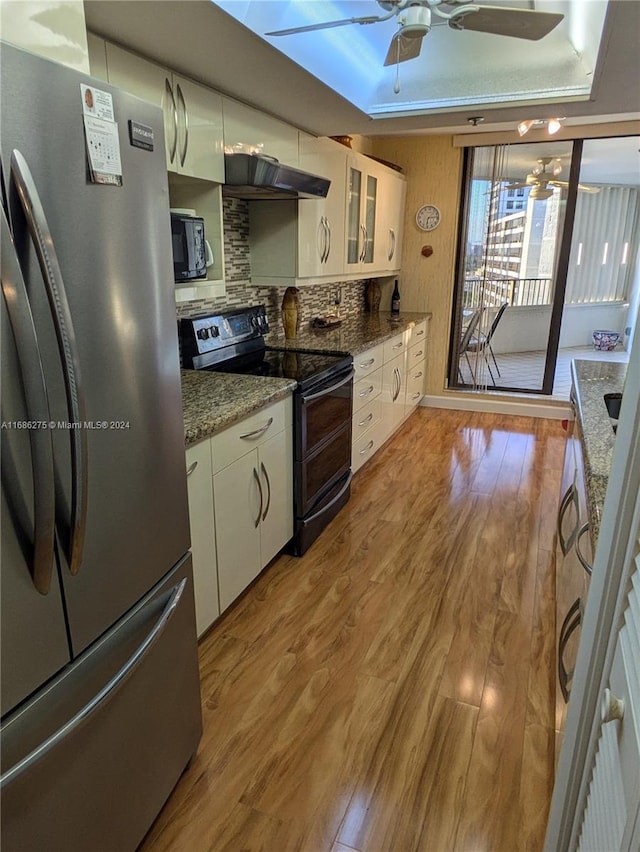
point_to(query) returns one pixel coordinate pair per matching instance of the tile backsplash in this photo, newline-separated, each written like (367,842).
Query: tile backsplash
(315,300)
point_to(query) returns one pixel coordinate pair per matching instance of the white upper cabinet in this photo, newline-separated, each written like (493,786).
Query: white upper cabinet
(248,131)
(361,213)
(55,29)
(192,113)
(389,221)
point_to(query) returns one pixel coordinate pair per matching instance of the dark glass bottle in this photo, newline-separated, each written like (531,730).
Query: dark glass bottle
(395,299)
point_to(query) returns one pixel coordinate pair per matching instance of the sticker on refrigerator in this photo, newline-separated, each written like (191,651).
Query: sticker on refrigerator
(101,134)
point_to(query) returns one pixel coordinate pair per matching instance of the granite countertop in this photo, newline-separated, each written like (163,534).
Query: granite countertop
(211,401)
(355,335)
(591,380)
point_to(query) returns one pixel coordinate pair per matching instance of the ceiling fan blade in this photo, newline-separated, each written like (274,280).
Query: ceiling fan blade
(370,19)
(403,48)
(583,187)
(518,23)
(520,185)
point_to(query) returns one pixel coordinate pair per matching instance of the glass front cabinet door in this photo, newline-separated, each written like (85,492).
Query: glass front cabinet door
(362,199)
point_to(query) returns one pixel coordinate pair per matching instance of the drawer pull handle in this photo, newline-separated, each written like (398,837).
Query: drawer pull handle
(192,467)
(420,333)
(419,354)
(257,432)
(417,395)
(418,375)
(583,529)
(366,419)
(398,345)
(367,448)
(366,392)
(368,363)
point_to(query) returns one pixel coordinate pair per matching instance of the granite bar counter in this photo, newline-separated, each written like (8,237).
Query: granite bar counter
(211,401)
(591,380)
(355,335)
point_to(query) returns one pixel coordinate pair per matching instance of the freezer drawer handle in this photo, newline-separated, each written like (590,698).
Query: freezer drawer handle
(106,693)
(257,432)
(33,382)
(65,335)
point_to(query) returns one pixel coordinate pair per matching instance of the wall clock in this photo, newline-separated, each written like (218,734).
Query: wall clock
(428,217)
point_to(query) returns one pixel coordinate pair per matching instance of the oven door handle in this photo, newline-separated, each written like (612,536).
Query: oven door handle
(331,502)
(328,390)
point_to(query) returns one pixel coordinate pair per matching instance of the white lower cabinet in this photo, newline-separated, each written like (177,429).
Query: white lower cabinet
(203,536)
(388,385)
(252,495)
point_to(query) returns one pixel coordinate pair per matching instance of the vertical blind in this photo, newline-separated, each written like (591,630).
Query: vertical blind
(603,245)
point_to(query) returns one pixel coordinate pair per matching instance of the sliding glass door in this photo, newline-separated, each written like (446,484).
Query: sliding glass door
(511,265)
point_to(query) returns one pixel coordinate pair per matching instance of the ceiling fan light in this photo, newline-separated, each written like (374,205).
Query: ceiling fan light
(525,126)
(553,126)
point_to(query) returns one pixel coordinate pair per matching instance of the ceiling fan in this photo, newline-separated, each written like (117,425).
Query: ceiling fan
(415,21)
(543,181)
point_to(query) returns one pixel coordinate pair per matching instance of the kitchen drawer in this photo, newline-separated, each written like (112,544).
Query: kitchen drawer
(367,389)
(368,361)
(366,446)
(415,385)
(365,418)
(395,346)
(418,333)
(242,437)
(416,355)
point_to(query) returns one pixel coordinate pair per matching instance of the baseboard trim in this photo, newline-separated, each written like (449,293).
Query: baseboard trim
(491,405)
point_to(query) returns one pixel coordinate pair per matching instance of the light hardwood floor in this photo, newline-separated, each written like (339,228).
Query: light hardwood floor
(393,690)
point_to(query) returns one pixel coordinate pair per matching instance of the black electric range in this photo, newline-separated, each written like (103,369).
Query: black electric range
(232,341)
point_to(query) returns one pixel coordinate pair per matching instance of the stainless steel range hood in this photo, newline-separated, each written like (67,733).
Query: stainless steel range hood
(255,176)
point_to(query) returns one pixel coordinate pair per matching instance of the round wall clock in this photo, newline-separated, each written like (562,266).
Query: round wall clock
(428,217)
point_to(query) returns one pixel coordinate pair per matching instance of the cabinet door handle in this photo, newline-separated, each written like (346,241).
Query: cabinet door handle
(366,392)
(321,239)
(571,622)
(570,496)
(266,479)
(192,467)
(366,419)
(587,567)
(367,448)
(257,432)
(328,227)
(259,484)
(174,109)
(368,363)
(182,101)
(392,243)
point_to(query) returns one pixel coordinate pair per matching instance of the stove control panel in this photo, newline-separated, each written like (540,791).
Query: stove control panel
(221,333)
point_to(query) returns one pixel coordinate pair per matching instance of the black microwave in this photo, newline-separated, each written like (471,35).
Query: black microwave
(189,247)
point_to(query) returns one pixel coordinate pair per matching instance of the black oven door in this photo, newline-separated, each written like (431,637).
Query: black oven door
(321,412)
(319,471)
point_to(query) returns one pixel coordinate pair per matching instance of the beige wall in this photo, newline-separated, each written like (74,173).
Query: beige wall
(433,168)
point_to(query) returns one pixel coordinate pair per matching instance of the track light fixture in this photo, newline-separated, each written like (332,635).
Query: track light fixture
(552,125)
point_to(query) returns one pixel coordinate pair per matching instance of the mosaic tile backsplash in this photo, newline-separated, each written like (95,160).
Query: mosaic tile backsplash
(315,300)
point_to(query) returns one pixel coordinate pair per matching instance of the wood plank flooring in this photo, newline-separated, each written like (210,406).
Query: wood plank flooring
(393,690)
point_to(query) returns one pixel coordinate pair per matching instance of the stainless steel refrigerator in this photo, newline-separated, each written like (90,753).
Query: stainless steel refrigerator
(100,688)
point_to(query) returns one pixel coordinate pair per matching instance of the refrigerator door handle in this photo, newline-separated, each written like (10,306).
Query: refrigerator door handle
(107,692)
(35,391)
(65,335)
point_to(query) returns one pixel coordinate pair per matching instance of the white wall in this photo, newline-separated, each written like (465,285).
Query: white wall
(54,29)
(527,329)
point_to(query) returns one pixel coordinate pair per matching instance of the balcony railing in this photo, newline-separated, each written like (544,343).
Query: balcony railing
(519,292)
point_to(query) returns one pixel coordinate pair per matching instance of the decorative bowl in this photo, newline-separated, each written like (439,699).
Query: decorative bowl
(605,341)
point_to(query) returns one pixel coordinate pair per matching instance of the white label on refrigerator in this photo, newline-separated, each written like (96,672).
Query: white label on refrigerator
(97,103)
(103,149)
